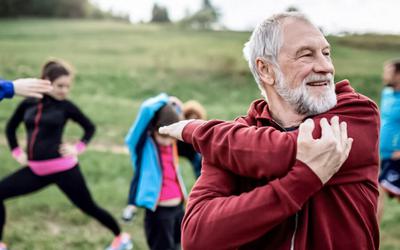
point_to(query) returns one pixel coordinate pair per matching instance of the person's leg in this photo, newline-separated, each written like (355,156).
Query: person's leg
(159,229)
(389,180)
(179,212)
(73,184)
(23,181)
(196,163)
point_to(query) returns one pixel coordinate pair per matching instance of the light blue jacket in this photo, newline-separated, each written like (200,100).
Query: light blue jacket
(144,155)
(390,122)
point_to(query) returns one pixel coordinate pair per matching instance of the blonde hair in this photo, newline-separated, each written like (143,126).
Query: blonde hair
(193,107)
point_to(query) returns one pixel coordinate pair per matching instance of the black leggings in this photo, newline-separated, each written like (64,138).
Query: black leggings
(71,182)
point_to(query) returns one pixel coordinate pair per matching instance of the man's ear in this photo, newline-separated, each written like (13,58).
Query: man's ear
(265,71)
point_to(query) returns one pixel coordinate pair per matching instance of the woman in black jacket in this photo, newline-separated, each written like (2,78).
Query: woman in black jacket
(47,160)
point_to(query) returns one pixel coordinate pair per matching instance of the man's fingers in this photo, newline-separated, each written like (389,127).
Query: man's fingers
(335,127)
(174,130)
(306,129)
(343,132)
(326,129)
(349,144)
(165,130)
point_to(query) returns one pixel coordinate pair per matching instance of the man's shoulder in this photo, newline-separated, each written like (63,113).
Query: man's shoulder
(350,99)
(258,110)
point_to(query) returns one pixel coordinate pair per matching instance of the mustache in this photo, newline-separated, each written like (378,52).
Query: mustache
(318,77)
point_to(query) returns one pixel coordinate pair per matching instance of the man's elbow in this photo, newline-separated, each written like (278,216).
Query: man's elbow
(191,237)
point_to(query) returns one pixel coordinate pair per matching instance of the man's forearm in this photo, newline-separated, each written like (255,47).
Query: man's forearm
(256,152)
(216,219)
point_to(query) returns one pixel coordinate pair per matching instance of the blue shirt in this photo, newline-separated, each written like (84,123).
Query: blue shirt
(390,122)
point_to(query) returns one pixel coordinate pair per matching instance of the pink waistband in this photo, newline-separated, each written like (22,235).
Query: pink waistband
(52,166)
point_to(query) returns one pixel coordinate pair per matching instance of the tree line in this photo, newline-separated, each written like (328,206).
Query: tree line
(53,8)
(204,18)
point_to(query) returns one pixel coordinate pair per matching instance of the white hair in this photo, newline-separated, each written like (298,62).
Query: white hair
(266,41)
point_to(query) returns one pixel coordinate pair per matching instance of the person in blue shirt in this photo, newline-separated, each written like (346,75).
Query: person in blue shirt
(389,178)
(28,87)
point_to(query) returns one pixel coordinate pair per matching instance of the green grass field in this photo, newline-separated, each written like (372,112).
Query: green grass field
(118,66)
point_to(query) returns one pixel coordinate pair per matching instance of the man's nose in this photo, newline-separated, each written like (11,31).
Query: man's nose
(324,65)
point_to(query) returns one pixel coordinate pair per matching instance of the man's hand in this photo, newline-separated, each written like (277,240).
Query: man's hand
(175,129)
(68,150)
(31,87)
(326,155)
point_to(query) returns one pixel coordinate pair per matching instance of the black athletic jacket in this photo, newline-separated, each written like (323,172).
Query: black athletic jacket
(44,121)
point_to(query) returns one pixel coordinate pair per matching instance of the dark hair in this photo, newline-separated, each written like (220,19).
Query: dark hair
(53,69)
(396,65)
(164,117)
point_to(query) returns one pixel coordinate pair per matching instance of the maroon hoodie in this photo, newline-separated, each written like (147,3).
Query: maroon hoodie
(254,194)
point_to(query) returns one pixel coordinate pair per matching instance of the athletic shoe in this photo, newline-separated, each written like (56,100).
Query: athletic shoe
(3,246)
(129,213)
(121,242)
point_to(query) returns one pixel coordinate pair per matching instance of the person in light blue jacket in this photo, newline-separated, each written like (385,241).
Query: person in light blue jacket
(157,184)
(389,178)
(28,87)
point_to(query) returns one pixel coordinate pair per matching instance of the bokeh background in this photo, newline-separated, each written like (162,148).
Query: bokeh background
(124,53)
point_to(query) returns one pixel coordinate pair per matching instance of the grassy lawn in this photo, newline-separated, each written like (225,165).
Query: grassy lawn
(119,65)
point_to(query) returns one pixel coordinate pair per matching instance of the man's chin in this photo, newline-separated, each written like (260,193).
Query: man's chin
(322,106)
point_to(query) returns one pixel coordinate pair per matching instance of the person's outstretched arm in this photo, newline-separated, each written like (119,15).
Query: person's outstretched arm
(265,152)
(28,87)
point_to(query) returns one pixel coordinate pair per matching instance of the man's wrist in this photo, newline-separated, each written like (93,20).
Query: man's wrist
(189,129)
(301,183)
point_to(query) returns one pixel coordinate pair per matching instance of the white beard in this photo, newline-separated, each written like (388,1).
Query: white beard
(301,99)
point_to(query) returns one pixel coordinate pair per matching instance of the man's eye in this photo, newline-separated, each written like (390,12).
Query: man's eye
(306,55)
(327,53)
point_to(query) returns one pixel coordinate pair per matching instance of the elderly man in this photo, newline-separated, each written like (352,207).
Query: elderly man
(259,188)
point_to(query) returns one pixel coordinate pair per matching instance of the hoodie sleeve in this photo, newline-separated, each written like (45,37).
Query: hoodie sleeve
(215,218)
(6,89)
(256,152)
(265,152)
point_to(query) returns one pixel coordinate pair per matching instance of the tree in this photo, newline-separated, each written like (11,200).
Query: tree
(292,9)
(159,14)
(52,8)
(203,18)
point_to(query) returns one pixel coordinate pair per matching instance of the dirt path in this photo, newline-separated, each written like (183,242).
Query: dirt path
(114,148)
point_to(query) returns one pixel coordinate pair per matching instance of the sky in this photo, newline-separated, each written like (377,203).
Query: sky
(333,16)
